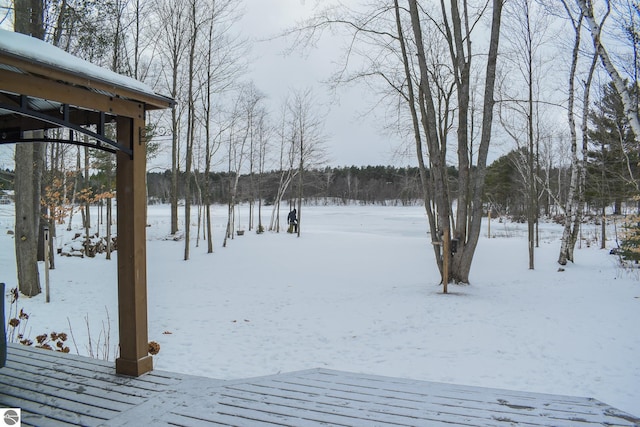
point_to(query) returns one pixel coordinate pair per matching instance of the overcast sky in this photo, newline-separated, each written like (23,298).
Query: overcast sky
(352,139)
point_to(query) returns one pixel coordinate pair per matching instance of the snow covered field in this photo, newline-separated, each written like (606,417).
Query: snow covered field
(358,291)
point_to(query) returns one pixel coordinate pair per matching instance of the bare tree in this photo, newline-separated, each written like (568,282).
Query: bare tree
(240,134)
(520,108)
(264,132)
(307,135)
(210,146)
(253,99)
(195,23)
(173,41)
(287,164)
(223,66)
(236,153)
(462,227)
(435,89)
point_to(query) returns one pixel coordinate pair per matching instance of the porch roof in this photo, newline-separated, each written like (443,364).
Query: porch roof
(23,54)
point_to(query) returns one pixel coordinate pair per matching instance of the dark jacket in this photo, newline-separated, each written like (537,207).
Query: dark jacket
(292,218)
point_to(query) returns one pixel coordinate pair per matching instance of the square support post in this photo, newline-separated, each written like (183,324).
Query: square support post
(131,197)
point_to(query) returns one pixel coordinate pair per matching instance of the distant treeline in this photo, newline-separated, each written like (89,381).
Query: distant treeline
(505,188)
(368,184)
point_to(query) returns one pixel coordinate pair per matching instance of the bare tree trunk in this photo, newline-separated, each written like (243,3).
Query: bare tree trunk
(190,129)
(208,144)
(603,228)
(302,136)
(196,181)
(173,39)
(231,200)
(28,172)
(533,191)
(262,152)
(468,249)
(565,242)
(26,220)
(424,178)
(236,155)
(251,174)
(175,171)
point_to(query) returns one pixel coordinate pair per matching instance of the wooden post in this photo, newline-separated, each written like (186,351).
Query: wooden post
(489,224)
(109,244)
(446,256)
(131,198)
(3,334)
(46,265)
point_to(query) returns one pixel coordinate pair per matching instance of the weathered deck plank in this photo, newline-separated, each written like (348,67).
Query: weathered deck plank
(54,389)
(59,390)
(452,399)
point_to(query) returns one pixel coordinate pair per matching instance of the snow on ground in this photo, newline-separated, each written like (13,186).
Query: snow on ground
(358,291)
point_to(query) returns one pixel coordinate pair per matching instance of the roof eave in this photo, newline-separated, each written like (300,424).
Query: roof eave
(152,101)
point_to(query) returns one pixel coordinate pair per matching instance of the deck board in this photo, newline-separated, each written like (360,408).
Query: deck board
(61,390)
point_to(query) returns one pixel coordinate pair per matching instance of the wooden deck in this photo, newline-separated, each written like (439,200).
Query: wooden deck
(53,389)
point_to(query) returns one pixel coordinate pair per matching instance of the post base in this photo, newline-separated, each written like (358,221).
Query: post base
(134,368)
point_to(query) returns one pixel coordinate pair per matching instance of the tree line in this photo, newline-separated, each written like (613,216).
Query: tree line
(365,184)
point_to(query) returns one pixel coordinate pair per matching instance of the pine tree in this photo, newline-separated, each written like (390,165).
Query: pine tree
(613,158)
(630,244)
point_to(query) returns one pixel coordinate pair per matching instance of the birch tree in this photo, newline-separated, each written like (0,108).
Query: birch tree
(575,196)
(595,29)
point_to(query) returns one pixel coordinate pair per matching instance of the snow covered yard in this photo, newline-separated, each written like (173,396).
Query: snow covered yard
(358,291)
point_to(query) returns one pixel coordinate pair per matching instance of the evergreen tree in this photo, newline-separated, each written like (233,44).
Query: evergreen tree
(613,158)
(630,244)
(503,184)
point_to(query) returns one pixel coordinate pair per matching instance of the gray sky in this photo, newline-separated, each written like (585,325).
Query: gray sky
(352,139)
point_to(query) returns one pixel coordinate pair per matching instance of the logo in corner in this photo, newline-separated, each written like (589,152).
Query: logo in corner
(11,417)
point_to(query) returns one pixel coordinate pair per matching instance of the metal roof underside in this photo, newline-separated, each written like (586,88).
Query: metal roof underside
(61,123)
(24,58)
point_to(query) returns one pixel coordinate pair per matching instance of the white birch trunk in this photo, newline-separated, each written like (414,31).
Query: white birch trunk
(630,108)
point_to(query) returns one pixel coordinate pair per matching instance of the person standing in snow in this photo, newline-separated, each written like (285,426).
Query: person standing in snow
(293,222)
